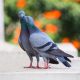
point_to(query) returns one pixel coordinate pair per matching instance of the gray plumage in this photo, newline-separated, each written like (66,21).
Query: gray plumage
(24,38)
(44,44)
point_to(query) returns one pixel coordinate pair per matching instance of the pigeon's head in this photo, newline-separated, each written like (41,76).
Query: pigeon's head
(21,14)
(30,20)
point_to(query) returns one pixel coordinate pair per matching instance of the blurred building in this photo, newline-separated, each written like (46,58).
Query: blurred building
(1,20)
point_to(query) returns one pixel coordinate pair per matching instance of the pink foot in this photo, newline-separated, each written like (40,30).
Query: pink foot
(29,66)
(37,67)
(46,66)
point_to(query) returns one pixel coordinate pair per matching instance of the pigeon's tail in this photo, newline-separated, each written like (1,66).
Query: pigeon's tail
(58,52)
(52,61)
(64,61)
(66,64)
(66,58)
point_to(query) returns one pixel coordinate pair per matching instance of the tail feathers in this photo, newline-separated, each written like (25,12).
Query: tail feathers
(64,61)
(66,64)
(67,59)
(65,54)
(58,52)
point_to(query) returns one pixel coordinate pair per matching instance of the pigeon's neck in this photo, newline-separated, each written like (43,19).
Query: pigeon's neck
(33,29)
(23,26)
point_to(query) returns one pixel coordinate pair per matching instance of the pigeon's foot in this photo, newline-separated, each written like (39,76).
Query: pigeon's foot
(30,66)
(46,65)
(45,68)
(37,67)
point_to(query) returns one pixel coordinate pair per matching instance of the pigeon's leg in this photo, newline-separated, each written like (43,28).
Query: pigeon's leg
(31,60)
(37,57)
(46,61)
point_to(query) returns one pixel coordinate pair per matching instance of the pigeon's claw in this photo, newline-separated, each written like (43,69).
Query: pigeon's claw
(46,65)
(30,66)
(37,67)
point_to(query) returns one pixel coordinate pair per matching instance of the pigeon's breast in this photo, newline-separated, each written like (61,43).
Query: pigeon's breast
(25,41)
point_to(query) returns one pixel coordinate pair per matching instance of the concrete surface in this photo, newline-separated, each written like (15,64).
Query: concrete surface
(13,60)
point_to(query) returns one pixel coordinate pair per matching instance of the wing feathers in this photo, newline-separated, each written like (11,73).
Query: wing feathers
(43,46)
(58,52)
(49,46)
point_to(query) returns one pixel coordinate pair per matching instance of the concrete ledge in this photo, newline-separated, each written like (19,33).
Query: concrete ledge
(39,76)
(57,72)
(13,60)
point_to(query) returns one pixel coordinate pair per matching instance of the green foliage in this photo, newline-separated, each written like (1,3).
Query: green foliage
(68,24)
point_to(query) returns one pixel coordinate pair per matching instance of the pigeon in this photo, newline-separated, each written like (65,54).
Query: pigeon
(45,46)
(24,39)
(25,43)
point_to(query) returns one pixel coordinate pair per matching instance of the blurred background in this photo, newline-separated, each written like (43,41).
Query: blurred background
(60,19)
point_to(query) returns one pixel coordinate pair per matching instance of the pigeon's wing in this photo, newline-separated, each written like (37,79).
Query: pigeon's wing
(43,43)
(39,39)
(20,43)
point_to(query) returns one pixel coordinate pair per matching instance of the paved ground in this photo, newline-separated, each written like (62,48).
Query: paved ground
(12,68)
(15,62)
